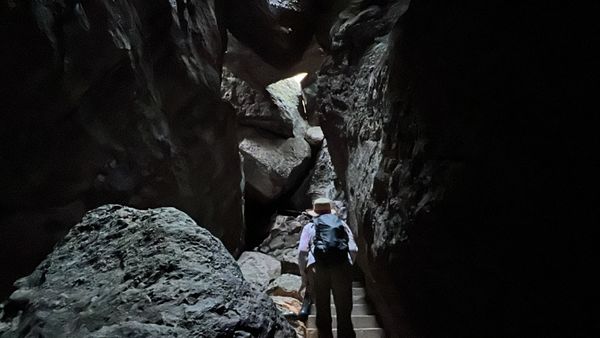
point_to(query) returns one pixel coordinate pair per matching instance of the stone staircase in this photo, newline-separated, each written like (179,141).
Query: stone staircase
(363,317)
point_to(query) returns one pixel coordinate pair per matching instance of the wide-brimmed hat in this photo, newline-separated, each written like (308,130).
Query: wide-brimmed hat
(320,206)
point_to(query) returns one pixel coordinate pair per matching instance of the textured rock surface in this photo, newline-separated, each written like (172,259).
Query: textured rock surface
(286,285)
(287,95)
(281,246)
(314,136)
(321,182)
(272,166)
(287,305)
(259,269)
(254,107)
(111,102)
(274,109)
(282,241)
(127,272)
(444,134)
(278,32)
(248,66)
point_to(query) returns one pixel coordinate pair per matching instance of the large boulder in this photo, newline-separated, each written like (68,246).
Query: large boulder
(287,95)
(251,68)
(254,107)
(259,269)
(152,273)
(275,109)
(112,102)
(286,285)
(272,166)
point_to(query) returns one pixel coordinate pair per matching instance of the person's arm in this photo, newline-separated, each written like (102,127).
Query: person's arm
(303,248)
(352,247)
(302,259)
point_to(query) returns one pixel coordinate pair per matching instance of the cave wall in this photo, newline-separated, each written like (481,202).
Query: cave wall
(112,101)
(443,121)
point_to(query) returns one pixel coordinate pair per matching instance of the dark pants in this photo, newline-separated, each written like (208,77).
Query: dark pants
(339,280)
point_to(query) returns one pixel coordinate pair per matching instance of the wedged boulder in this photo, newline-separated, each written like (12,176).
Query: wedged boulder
(272,166)
(250,67)
(259,269)
(257,108)
(141,273)
(287,95)
(314,136)
(285,285)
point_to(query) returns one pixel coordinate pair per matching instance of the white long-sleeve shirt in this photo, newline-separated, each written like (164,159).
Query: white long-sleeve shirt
(308,234)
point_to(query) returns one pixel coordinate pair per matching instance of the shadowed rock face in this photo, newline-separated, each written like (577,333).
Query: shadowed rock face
(272,166)
(444,133)
(276,108)
(152,273)
(278,31)
(112,102)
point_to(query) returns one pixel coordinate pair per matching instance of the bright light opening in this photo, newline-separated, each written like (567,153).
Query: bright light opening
(299,77)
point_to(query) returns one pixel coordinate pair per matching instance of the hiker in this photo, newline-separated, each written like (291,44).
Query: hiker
(325,256)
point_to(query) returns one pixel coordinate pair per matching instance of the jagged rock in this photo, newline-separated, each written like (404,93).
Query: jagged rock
(289,260)
(117,102)
(287,95)
(292,5)
(259,269)
(282,242)
(285,285)
(272,166)
(291,305)
(319,183)
(143,273)
(314,136)
(309,95)
(341,209)
(287,304)
(358,30)
(322,180)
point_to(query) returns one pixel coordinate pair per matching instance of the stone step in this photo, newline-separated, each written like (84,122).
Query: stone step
(357,309)
(357,284)
(358,292)
(355,299)
(360,333)
(359,321)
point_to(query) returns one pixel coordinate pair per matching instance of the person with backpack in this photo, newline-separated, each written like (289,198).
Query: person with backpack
(326,253)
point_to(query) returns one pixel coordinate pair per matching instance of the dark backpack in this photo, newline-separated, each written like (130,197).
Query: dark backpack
(331,240)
